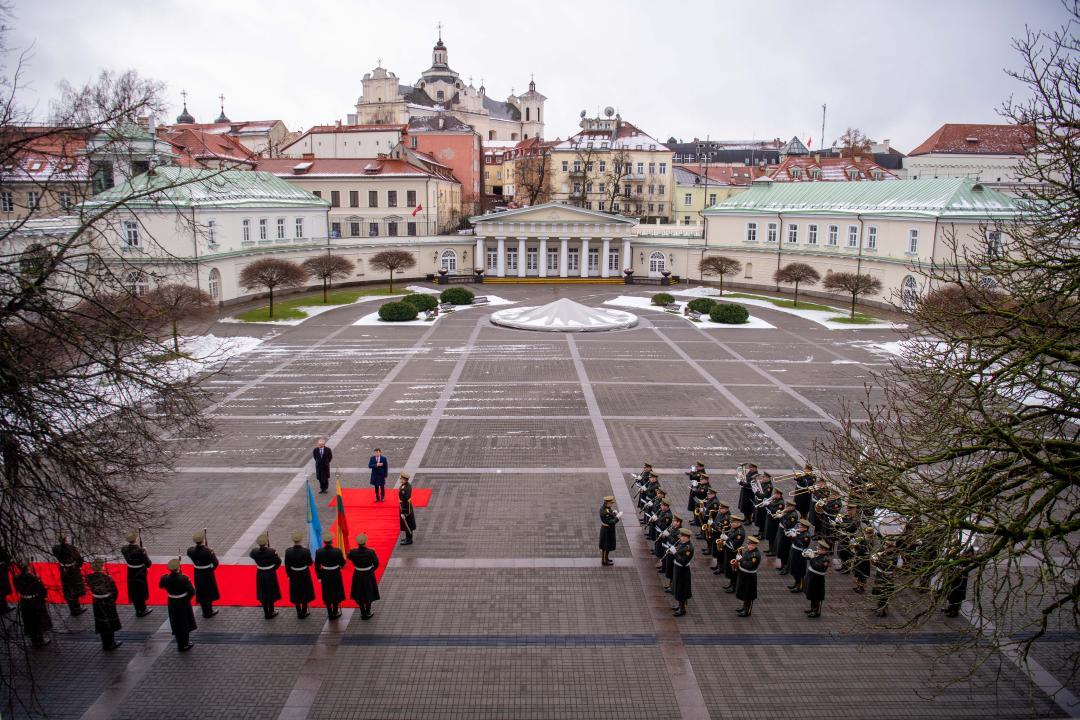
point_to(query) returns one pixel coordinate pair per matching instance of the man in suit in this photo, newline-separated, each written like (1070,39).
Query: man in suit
(322,456)
(379,465)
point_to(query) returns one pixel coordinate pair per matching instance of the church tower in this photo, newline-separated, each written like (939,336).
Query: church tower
(531,105)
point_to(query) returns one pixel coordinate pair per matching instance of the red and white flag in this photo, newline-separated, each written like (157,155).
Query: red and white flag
(417,209)
(809,141)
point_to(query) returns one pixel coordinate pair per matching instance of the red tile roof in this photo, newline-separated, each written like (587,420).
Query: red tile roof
(977,139)
(195,147)
(345,167)
(726,173)
(798,168)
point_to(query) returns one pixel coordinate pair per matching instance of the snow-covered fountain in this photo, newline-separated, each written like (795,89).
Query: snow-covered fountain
(564,316)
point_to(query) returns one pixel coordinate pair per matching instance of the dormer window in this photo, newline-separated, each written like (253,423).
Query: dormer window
(796,173)
(815,174)
(853,174)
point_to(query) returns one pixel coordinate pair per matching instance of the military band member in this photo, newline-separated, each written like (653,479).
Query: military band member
(206,562)
(804,486)
(648,498)
(699,486)
(706,511)
(298,564)
(958,588)
(5,582)
(733,539)
(884,563)
(33,609)
(365,588)
(832,511)
(181,616)
(761,499)
(746,492)
(661,534)
(267,562)
(787,528)
(816,567)
(70,563)
(645,477)
(138,567)
(653,513)
(818,495)
(717,525)
(773,510)
(609,518)
(748,563)
(680,573)
(329,562)
(861,552)
(104,594)
(847,534)
(405,509)
(667,563)
(796,560)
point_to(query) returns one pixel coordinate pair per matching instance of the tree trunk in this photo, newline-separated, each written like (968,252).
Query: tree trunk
(796,303)
(325,284)
(391,280)
(175,338)
(853,296)
(721,284)
(271,289)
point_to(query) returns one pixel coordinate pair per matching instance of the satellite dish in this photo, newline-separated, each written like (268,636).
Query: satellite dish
(609,111)
(583,114)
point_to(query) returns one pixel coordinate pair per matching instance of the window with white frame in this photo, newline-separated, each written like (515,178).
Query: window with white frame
(214,283)
(602,188)
(712,199)
(531,260)
(33,200)
(565,165)
(871,237)
(751,232)
(573,262)
(657,262)
(245,230)
(641,168)
(603,166)
(852,236)
(995,246)
(373,229)
(663,168)
(136,283)
(613,261)
(262,228)
(211,232)
(594,260)
(299,228)
(811,234)
(511,259)
(553,259)
(492,259)
(131,233)
(771,234)
(7,201)
(834,235)
(792,234)
(688,198)
(67,200)
(913,241)
(685,219)
(281,228)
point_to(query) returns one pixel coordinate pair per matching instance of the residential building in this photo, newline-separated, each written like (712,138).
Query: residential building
(700,186)
(816,168)
(198,148)
(746,152)
(499,157)
(261,137)
(455,144)
(988,153)
(345,141)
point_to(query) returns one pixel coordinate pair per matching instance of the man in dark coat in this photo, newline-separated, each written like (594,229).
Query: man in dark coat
(70,563)
(206,562)
(680,575)
(322,456)
(796,559)
(804,485)
(746,586)
(762,499)
(647,497)
(663,534)
(720,523)
(5,581)
(667,563)
(138,565)
(181,616)
(380,466)
(365,588)
(267,562)
(733,539)
(746,492)
(104,593)
(773,511)
(329,562)
(786,529)
(298,564)
(861,551)
(32,606)
(609,518)
(959,586)
(699,486)
(884,563)
(405,509)
(815,578)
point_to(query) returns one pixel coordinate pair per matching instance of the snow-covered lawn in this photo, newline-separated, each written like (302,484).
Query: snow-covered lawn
(203,352)
(645,303)
(821,317)
(310,311)
(373,318)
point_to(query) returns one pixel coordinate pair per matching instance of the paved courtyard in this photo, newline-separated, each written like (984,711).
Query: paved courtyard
(501,609)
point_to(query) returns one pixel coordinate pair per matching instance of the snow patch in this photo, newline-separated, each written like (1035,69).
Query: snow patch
(821,317)
(645,303)
(373,318)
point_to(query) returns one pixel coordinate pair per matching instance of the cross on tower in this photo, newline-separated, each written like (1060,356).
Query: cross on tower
(222,99)
(378,62)
(183,94)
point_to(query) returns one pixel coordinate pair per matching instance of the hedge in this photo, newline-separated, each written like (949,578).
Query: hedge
(397,312)
(729,314)
(421,301)
(456,296)
(702,305)
(662,299)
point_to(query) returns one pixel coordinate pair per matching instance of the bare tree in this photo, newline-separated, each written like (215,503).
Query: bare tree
(328,268)
(719,265)
(582,169)
(853,284)
(853,142)
(175,302)
(797,273)
(532,175)
(272,273)
(619,168)
(392,261)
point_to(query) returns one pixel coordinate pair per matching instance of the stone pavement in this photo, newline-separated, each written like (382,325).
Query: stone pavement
(501,609)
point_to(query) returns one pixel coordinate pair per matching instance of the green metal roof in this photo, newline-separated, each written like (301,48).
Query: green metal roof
(947,198)
(195,187)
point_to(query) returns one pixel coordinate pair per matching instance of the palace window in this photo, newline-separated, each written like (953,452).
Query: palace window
(811,234)
(281,228)
(354,229)
(663,168)
(354,198)
(552,259)
(33,200)
(391,228)
(391,198)
(136,283)
(373,229)
(792,234)
(531,263)
(245,230)
(871,237)
(657,262)
(852,236)
(373,198)
(410,229)
(214,283)
(913,241)
(7,201)
(511,259)
(688,198)
(335,198)
(410,198)
(262,228)
(299,228)
(834,235)
(770,236)
(131,233)
(751,232)
(448,261)
(211,232)
(594,261)
(573,260)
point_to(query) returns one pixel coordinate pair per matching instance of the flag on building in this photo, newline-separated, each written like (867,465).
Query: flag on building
(314,526)
(342,524)
(809,141)
(418,208)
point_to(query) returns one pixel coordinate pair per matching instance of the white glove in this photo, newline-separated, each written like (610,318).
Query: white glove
(618,514)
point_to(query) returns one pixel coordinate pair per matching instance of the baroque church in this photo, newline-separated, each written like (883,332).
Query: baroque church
(440,89)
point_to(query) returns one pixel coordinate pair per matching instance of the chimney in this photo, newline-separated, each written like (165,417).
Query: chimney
(337,123)
(308,156)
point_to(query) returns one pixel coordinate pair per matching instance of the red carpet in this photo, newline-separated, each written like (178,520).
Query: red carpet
(237,582)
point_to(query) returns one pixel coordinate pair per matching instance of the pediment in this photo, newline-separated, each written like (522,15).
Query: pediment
(552,213)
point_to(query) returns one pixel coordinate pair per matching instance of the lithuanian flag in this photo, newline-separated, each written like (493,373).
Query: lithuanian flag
(342,524)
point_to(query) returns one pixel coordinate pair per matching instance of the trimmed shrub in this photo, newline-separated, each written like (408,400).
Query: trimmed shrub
(397,312)
(456,296)
(729,314)
(662,299)
(702,305)
(421,301)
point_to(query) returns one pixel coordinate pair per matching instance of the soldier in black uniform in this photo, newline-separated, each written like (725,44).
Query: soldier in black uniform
(884,563)
(653,513)
(267,563)
(661,534)
(804,485)
(329,562)
(181,616)
(708,509)
(958,588)
(70,563)
(773,510)
(640,483)
(648,495)
(733,542)
(787,528)
(609,518)
(206,562)
(699,485)
(5,581)
(719,524)
(749,561)
(847,535)
(761,499)
(405,509)
(861,552)
(32,606)
(365,588)
(298,564)
(680,574)
(667,563)
(816,568)
(104,593)
(138,565)
(746,492)
(832,512)
(796,560)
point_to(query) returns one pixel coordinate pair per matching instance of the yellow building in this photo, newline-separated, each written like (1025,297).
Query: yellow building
(701,186)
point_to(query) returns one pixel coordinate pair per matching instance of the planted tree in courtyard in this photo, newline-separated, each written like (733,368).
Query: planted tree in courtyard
(272,273)
(392,261)
(327,269)
(174,303)
(853,284)
(796,274)
(719,265)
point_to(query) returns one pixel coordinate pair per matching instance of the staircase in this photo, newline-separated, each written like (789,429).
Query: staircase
(552,281)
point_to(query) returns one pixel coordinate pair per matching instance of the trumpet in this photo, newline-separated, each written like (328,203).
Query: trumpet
(807,553)
(791,533)
(763,503)
(777,515)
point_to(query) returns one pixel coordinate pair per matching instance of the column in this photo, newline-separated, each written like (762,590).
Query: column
(627,260)
(584,257)
(563,256)
(478,259)
(501,261)
(521,257)
(543,257)
(604,252)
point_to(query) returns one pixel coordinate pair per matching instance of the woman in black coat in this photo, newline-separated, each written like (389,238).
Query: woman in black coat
(365,588)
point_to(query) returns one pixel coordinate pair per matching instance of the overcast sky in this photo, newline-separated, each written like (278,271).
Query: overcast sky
(730,70)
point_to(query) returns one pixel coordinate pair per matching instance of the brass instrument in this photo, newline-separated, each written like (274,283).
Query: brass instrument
(778,514)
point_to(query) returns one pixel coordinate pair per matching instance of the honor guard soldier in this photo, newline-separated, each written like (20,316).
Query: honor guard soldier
(746,492)
(667,563)
(5,582)
(796,560)
(298,564)
(329,561)
(32,608)
(862,549)
(104,593)
(749,561)
(680,573)
(733,539)
(206,562)
(365,588)
(609,518)
(816,568)
(138,566)
(405,509)
(267,563)
(653,513)
(646,497)
(70,563)
(958,588)
(787,528)
(181,616)
(804,485)
(761,499)
(718,524)
(773,510)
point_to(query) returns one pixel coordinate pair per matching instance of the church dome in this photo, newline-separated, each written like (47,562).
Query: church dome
(185,118)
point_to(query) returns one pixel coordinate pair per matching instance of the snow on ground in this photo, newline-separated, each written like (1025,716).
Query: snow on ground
(311,311)
(423,290)
(821,317)
(373,318)
(206,351)
(645,303)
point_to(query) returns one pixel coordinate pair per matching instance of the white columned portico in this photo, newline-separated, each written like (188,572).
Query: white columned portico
(521,257)
(627,261)
(604,252)
(500,259)
(564,255)
(542,267)
(478,259)
(584,258)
